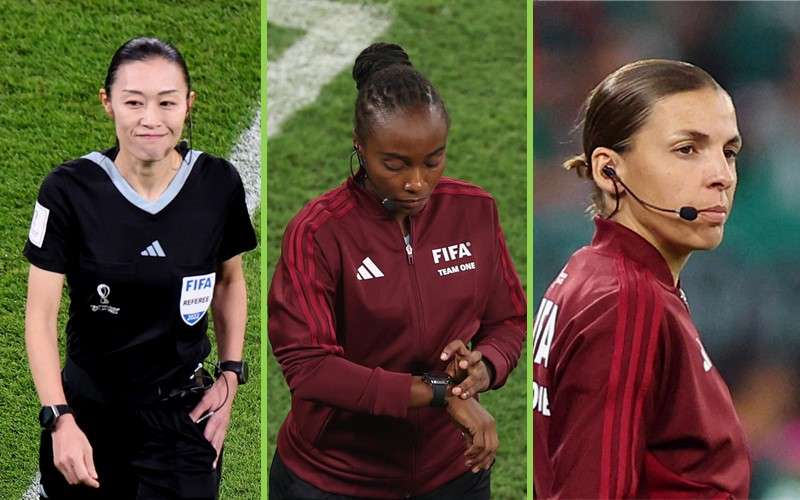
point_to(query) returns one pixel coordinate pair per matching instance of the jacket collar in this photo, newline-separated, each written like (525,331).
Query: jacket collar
(612,237)
(371,204)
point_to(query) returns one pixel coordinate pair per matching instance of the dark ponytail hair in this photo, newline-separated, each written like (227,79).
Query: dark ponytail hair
(143,49)
(618,107)
(387,81)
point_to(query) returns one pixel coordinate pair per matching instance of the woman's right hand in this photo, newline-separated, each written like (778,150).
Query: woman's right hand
(480,430)
(72,453)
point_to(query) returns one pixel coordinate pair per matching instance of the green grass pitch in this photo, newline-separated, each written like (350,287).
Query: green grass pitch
(55,55)
(476,56)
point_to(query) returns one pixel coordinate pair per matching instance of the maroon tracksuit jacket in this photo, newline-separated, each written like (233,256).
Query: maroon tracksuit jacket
(626,401)
(353,312)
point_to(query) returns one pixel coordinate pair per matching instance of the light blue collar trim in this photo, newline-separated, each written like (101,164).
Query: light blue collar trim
(125,189)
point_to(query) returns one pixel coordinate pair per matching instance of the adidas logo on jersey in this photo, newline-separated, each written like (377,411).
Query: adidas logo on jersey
(368,270)
(153,250)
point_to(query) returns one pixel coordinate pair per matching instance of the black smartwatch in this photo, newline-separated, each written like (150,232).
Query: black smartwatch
(438,382)
(237,367)
(48,415)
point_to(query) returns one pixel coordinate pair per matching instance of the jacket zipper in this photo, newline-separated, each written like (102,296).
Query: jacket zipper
(420,326)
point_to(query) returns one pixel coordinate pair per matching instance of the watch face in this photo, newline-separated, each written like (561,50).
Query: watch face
(241,370)
(47,419)
(438,378)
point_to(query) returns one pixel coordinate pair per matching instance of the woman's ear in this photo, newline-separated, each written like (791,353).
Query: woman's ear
(606,165)
(105,100)
(190,102)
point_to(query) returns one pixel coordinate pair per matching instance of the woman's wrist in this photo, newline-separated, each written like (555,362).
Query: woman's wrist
(421,393)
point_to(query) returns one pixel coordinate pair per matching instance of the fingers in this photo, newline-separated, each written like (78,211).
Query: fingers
(216,442)
(475,382)
(482,453)
(210,401)
(88,461)
(72,455)
(216,429)
(454,347)
(486,456)
(461,359)
(65,468)
(474,451)
(204,406)
(469,360)
(75,471)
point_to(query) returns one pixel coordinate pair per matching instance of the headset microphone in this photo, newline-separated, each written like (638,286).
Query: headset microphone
(685,213)
(389,205)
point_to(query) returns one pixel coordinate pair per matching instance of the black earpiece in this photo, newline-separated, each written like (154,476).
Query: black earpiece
(358,155)
(389,204)
(609,172)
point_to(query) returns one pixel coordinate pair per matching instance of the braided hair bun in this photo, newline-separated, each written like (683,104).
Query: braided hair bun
(387,82)
(376,57)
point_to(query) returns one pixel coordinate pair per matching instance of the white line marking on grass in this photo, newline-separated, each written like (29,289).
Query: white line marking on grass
(335,34)
(246,157)
(33,490)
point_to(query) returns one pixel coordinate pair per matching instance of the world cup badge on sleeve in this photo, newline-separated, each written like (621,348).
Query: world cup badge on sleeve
(196,295)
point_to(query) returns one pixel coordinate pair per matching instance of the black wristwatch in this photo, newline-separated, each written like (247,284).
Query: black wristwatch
(438,382)
(237,367)
(48,415)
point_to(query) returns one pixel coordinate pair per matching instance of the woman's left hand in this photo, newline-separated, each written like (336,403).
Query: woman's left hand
(217,425)
(467,368)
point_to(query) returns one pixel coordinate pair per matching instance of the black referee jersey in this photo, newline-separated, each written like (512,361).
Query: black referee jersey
(140,273)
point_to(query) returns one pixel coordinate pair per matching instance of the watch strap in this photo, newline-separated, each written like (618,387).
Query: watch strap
(49,415)
(237,367)
(438,382)
(439,393)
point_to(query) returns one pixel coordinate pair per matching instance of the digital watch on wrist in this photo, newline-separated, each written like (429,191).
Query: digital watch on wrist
(438,382)
(49,415)
(237,367)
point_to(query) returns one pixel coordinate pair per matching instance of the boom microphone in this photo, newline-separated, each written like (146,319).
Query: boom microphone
(389,204)
(685,213)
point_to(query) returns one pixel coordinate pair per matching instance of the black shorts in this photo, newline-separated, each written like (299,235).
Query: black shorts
(150,452)
(284,485)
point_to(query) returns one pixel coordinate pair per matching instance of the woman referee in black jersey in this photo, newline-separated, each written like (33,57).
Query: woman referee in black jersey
(148,235)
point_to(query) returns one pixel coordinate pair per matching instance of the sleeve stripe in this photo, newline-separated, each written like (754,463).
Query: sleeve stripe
(652,342)
(629,379)
(300,279)
(302,269)
(509,274)
(337,210)
(644,300)
(613,383)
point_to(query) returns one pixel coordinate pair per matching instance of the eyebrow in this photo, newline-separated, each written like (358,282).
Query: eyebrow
(407,159)
(139,92)
(701,137)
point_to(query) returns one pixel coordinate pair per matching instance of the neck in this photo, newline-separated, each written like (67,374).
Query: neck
(676,258)
(402,220)
(148,178)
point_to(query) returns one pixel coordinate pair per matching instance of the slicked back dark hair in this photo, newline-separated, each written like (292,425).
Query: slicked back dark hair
(620,104)
(143,49)
(386,82)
